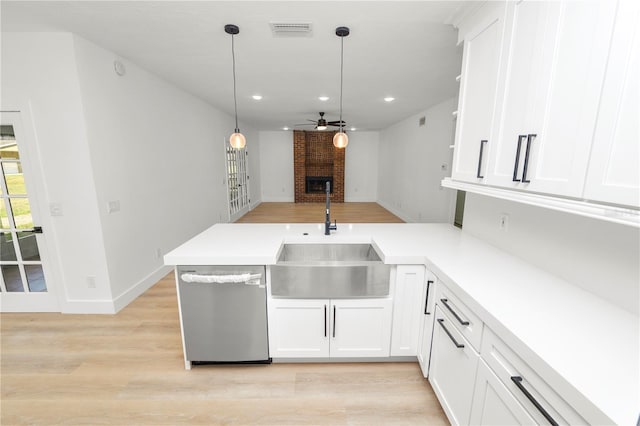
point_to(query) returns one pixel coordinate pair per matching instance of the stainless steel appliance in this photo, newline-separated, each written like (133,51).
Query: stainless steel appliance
(224,313)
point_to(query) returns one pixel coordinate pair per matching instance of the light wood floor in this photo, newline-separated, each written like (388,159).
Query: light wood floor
(127,369)
(315,213)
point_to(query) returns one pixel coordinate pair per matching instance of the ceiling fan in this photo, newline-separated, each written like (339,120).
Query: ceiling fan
(322,123)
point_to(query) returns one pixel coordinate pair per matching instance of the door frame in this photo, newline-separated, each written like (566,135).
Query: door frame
(52,300)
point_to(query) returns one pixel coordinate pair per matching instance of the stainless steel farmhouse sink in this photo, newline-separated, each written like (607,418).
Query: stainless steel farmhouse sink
(329,271)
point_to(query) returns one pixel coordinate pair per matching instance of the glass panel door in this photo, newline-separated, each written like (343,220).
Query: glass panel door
(237,181)
(21,240)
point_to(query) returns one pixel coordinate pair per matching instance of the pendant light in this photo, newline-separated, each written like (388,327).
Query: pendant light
(340,139)
(237,139)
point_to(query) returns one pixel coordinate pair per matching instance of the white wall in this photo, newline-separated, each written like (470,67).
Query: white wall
(40,79)
(361,167)
(410,160)
(601,257)
(276,166)
(101,137)
(157,150)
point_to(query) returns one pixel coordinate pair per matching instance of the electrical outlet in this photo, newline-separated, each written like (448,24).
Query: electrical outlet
(55,209)
(113,206)
(504,222)
(91,281)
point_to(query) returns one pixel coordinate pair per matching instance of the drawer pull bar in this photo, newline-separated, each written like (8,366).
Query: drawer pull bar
(530,139)
(460,320)
(478,175)
(515,168)
(518,381)
(458,345)
(426,299)
(334,321)
(325,320)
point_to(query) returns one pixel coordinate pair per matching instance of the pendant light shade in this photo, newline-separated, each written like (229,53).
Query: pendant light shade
(237,139)
(340,139)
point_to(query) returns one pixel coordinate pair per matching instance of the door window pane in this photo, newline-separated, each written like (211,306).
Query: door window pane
(12,279)
(4,220)
(35,278)
(7,251)
(28,246)
(14,178)
(21,210)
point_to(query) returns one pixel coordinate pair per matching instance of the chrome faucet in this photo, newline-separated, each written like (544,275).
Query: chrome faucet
(328,227)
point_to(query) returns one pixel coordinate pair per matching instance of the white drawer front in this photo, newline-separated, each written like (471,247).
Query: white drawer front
(535,395)
(463,318)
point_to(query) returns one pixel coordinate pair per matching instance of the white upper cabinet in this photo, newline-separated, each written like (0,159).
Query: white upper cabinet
(553,68)
(478,84)
(614,169)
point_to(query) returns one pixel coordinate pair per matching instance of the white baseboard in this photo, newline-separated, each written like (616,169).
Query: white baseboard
(396,212)
(79,306)
(359,199)
(283,199)
(106,306)
(140,287)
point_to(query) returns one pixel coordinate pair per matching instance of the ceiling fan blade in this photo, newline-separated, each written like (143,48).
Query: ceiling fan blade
(336,123)
(305,124)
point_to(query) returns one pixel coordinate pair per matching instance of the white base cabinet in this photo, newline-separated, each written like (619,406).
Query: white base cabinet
(453,369)
(493,404)
(407,317)
(426,328)
(320,328)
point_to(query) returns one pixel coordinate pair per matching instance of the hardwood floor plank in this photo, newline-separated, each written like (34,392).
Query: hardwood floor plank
(315,213)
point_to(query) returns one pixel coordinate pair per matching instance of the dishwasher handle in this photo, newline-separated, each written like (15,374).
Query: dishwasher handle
(247,278)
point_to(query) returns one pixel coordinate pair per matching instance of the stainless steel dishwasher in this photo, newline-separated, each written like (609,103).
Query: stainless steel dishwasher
(224,313)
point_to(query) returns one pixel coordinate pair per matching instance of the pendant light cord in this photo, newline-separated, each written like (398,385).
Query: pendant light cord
(341,77)
(235,102)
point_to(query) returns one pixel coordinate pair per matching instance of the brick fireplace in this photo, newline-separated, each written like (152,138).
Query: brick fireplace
(315,161)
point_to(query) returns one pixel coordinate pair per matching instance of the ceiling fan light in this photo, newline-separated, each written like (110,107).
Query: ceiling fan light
(321,127)
(237,140)
(340,140)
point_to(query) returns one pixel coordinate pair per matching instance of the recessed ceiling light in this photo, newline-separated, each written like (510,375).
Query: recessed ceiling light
(389,99)
(257,97)
(353,129)
(323,98)
(285,128)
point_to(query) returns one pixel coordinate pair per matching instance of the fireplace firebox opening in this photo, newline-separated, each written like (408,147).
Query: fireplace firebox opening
(317,184)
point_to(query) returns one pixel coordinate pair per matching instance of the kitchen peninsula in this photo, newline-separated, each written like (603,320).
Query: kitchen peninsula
(575,354)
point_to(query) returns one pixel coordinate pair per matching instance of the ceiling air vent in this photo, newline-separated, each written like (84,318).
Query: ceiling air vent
(422,121)
(291,29)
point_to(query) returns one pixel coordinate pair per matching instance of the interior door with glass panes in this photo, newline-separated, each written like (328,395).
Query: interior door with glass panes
(23,279)
(237,182)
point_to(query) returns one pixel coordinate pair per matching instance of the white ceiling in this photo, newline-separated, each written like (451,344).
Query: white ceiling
(396,48)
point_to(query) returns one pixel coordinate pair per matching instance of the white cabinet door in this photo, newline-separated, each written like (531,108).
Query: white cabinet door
(493,404)
(298,328)
(554,68)
(360,327)
(614,169)
(453,369)
(409,283)
(426,330)
(478,84)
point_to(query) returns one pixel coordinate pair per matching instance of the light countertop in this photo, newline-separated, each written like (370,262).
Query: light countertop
(575,340)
